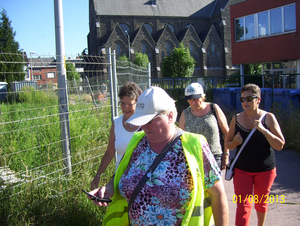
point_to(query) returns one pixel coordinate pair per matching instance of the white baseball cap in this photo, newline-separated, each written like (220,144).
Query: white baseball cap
(194,91)
(152,101)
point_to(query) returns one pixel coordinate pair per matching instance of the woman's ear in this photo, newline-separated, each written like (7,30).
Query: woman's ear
(171,116)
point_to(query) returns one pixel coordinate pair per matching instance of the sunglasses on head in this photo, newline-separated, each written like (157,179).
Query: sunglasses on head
(248,99)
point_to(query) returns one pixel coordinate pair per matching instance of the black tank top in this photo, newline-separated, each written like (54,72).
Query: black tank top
(257,155)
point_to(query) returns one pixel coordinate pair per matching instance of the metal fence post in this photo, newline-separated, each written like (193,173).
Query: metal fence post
(62,86)
(115,83)
(149,75)
(111,85)
(242,75)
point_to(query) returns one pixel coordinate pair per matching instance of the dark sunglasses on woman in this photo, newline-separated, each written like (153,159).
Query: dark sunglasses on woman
(248,98)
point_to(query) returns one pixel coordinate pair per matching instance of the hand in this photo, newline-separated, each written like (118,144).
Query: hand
(258,125)
(238,138)
(95,182)
(225,161)
(102,192)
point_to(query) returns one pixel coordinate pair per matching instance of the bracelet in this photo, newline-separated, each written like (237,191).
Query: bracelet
(226,153)
(267,132)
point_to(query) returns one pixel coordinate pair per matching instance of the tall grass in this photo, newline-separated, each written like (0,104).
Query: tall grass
(30,146)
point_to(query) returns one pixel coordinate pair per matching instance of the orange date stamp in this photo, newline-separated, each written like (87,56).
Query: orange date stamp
(259,199)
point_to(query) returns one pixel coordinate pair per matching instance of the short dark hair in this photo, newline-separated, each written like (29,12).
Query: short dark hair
(131,90)
(252,88)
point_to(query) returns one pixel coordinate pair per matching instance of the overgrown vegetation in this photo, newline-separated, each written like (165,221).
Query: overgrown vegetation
(30,143)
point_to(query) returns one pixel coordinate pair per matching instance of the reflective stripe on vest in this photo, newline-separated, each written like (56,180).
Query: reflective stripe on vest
(198,210)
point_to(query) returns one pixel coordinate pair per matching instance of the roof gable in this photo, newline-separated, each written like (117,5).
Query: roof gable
(211,35)
(167,32)
(144,33)
(117,34)
(189,34)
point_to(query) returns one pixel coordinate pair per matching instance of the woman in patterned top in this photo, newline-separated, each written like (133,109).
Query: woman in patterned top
(199,118)
(185,188)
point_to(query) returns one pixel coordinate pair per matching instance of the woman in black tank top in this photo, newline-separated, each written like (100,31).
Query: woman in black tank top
(255,169)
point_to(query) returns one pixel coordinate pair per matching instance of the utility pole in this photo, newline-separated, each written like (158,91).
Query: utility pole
(62,86)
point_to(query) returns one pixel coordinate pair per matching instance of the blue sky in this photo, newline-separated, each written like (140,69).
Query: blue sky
(34,24)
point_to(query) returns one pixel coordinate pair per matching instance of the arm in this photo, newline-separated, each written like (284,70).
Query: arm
(107,157)
(219,203)
(182,121)
(232,141)
(224,129)
(274,135)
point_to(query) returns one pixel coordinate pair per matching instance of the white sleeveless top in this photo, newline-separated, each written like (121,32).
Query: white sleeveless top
(122,138)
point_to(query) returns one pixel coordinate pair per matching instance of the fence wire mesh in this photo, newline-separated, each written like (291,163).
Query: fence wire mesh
(31,158)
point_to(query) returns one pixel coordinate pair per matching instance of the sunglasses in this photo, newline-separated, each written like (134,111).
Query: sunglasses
(248,99)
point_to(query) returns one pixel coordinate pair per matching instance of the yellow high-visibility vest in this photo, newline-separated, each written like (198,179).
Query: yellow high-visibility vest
(199,211)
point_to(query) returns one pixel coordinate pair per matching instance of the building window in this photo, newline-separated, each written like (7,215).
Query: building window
(276,21)
(168,49)
(263,24)
(37,77)
(51,75)
(239,29)
(249,24)
(194,53)
(213,55)
(289,18)
(208,60)
(162,55)
(271,22)
(149,28)
(196,59)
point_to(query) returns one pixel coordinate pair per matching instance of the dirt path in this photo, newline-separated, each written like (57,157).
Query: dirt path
(286,186)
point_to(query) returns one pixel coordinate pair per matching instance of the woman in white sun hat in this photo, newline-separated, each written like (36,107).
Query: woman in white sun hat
(207,119)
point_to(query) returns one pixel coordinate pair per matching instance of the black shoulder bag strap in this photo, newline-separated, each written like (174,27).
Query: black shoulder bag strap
(152,168)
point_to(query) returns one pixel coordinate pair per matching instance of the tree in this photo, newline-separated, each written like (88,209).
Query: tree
(12,68)
(123,61)
(141,59)
(179,64)
(71,72)
(253,69)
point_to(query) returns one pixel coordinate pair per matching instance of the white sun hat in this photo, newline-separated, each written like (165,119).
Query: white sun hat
(152,101)
(194,91)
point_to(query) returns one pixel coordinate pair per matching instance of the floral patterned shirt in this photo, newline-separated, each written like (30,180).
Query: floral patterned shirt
(165,196)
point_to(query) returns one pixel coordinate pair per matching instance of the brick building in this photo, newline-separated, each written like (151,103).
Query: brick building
(266,32)
(43,70)
(155,27)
